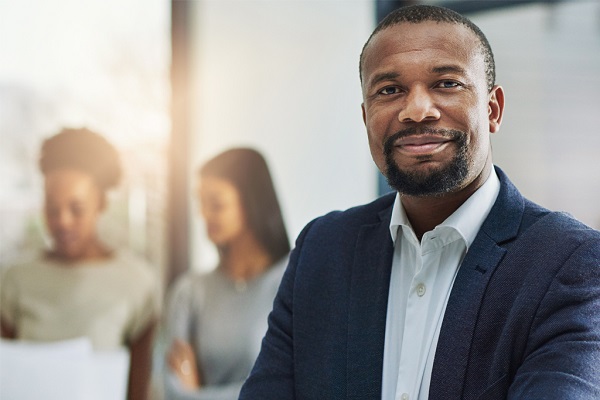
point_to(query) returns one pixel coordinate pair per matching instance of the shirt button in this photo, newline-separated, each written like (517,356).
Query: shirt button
(420,289)
(404,396)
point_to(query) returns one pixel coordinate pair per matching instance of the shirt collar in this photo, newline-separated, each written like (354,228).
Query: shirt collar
(466,220)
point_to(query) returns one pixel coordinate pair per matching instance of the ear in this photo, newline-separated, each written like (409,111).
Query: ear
(496,108)
(364,113)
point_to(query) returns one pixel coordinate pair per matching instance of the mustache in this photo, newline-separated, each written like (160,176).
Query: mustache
(452,134)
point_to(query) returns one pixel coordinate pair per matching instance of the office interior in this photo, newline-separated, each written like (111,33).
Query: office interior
(173,83)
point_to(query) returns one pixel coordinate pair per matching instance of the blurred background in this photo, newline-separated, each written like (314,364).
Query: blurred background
(173,83)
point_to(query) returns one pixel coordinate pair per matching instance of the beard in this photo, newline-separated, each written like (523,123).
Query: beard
(432,182)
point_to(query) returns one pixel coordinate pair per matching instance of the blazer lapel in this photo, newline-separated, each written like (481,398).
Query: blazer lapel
(456,335)
(369,287)
(459,323)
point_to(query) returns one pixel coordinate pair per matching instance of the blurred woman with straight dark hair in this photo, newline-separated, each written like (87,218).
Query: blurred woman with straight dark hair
(215,322)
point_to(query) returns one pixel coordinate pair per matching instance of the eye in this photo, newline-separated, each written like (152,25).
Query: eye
(216,206)
(77,210)
(448,84)
(212,204)
(388,90)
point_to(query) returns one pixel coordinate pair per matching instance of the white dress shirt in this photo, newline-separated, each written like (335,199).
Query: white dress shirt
(421,280)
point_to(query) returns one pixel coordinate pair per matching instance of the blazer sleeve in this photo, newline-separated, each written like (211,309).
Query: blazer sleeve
(562,360)
(272,376)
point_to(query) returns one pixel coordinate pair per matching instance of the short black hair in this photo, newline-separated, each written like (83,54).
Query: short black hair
(83,150)
(247,170)
(420,13)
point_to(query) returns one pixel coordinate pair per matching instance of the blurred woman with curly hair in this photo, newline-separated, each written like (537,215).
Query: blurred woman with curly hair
(80,287)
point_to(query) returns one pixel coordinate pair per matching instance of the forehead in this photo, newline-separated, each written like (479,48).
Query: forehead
(424,42)
(212,184)
(68,184)
(68,180)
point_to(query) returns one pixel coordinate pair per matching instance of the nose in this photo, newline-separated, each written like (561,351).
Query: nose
(61,219)
(419,107)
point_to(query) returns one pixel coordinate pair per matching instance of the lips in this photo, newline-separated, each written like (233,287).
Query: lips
(421,144)
(65,239)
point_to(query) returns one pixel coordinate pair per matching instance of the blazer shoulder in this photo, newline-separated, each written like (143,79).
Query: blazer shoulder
(558,230)
(564,224)
(340,226)
(374,212)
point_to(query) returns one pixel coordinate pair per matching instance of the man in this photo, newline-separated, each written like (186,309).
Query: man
(456,287)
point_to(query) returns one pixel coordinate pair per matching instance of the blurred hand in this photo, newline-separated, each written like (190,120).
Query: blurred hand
(182,361)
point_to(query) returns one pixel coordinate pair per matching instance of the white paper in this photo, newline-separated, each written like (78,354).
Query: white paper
(111,370)
(66,370)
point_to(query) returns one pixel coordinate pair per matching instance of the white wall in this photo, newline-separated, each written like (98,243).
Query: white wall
(282,76)
(83,63)
(548,61)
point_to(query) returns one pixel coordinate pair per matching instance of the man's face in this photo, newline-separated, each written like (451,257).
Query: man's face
(426,107)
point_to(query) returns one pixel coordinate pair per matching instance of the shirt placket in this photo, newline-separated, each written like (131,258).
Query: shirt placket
(415,337)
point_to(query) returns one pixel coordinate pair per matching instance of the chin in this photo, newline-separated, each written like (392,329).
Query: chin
(216,240)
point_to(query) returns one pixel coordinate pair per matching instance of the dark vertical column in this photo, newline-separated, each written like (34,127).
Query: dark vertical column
(384,7)
(178,224)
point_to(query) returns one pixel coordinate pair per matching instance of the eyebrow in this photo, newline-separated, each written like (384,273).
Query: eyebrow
(444,69)
(385,76)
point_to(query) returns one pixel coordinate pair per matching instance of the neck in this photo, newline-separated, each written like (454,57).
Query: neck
(425,213)
(244,258)
(94,251)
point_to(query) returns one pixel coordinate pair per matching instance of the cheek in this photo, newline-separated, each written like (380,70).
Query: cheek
(224,221)
(377,152)
(51,221)
(85,224)
(380,124)
(481,128)
(236,222)
(89,222)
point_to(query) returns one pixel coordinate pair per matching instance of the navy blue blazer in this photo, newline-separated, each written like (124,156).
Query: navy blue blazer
(522,321)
